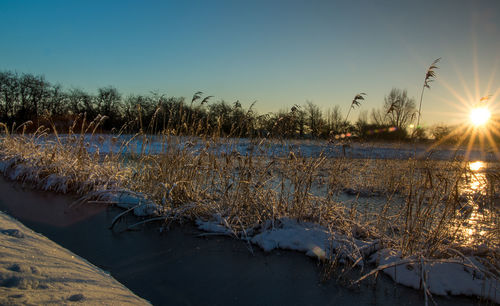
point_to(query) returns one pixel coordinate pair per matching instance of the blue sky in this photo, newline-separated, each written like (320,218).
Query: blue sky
(279,53)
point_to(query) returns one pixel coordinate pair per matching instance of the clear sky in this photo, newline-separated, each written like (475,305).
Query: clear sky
(279,53)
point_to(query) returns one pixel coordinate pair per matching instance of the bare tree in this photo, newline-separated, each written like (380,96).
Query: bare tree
(400,109)
(334,120)
(9,91)
(362,120)
(314,118)
(33,90)
(108,103)
(80,102)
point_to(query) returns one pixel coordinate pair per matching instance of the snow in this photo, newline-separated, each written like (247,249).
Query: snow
(212,227)
(104,144)
(35,270)
(138,202)
(443,277)
(141,206)
(308,238)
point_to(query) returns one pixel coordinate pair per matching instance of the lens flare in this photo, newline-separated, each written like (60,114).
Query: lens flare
(479,116)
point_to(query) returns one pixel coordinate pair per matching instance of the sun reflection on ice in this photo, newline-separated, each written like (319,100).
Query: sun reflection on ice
(475,217)
(477,165)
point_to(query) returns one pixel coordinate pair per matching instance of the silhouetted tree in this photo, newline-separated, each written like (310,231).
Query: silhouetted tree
(9,93)
(335,123)
(314,118)
(400,109)
(219,115)
(32,89)
(108,100)
(28,97)
(81,102)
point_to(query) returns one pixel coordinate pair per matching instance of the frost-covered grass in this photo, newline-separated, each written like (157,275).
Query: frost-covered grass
(428,215)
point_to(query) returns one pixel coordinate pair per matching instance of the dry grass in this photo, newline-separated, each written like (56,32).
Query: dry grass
(425,210)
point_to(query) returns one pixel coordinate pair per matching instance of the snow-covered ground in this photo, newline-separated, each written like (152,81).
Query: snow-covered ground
(36,271)
(307,148)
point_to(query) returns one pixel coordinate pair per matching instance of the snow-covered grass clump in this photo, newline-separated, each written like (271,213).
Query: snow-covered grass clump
(451,276)
(312,239)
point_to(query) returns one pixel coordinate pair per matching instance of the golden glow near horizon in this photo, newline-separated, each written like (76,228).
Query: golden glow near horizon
(479,116)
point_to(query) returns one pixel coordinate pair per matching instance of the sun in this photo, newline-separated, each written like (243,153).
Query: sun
(479,116)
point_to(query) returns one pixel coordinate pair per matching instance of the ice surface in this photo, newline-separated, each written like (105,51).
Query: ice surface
(309,148)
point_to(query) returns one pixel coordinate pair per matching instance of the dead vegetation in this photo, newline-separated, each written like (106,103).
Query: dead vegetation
(429,209)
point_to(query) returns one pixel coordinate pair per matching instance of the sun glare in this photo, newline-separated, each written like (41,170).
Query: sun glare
(479,116)
(475,166)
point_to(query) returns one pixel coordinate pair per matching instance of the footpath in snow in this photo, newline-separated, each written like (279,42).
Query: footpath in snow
(35,270)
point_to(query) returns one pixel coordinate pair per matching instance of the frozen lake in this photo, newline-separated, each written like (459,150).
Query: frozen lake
(128,144)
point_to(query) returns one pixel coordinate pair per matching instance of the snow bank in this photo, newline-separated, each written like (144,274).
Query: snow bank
(35,270)
(14,169)
(442,277)
(308,238)
(314,240)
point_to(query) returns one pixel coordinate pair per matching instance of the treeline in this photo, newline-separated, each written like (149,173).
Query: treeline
(28,97)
